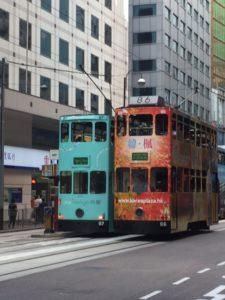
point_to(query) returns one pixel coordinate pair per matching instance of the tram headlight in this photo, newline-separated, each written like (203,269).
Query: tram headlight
(139,212)
(101,217)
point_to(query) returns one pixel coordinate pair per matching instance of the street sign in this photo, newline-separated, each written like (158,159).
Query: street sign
(54,154)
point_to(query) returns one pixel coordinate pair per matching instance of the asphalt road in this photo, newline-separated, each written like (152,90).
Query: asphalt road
(130,267)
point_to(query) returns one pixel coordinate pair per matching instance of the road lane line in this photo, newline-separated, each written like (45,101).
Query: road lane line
(220,229)
(222,263)
(223,276)
(203,270)
(150,295)
(181,280)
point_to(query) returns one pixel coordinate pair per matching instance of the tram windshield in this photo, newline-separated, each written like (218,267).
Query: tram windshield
(140,180)
(81,132)
(65,182)
(98,182)
(140,125)
(100,132)
(80,182)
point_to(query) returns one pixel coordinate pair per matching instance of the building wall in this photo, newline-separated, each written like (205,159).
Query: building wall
(50,22)
(162,81)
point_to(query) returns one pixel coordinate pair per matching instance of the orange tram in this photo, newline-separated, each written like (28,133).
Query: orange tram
(166,177)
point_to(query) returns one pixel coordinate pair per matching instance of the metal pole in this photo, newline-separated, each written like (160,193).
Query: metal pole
(124,91)
(2,131)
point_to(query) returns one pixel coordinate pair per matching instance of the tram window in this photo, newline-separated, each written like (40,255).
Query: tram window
(192,182)
(179,180)
(215,182)
(187,129)
(192,132)
(161,124)
(198,181)
(98,182)
(64,132)
(174,128)
(204,181)
(140,125)
(139,180)
(159,180)
(180,128)
(173,180)
(121,125)
(112,132)
(100,132)
(81,132)
(123,180)
(80,182)
(65,182)
(204,137)
(198,135)
(186,181)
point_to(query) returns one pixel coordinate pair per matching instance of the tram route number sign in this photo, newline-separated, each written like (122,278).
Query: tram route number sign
(80,161)
(140,156)
(147,100)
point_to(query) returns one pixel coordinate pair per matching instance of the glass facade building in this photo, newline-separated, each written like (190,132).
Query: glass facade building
(218,44)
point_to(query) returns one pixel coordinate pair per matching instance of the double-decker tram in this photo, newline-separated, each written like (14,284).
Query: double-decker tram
(165,169)
(85,172)
(221,176)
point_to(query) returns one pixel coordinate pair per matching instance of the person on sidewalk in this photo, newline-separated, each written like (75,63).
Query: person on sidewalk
(12,212)
(38,206)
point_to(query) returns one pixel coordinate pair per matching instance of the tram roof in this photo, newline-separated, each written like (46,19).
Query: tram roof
(85,117)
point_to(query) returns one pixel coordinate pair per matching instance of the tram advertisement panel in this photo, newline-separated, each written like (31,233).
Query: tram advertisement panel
(142,159)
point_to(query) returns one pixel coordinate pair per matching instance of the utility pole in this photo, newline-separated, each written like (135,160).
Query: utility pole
(2,132)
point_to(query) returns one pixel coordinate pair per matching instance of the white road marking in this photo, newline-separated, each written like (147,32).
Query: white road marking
(222,263)
(223,276)
(203,270)
(215,294)
(181,281)
(150,295)
(220,229)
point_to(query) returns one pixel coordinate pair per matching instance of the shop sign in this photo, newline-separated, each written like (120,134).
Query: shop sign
(25,157)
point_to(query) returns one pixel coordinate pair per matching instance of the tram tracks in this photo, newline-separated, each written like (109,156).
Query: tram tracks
(13,268)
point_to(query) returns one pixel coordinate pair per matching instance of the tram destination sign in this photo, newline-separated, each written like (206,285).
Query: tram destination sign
(140,156)
(80,161)
(147,101)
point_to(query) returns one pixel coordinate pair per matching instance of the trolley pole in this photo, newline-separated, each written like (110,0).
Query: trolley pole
(2,132)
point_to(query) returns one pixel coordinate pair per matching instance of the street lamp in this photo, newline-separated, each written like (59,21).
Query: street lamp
(141,82)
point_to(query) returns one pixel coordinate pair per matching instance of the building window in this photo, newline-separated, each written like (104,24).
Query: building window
(175,20)
(46,5)
(144,65)
(189,33)
(94,65)
(4,24)
(108,35)
(64,10)
(207,92)
(195,62)
(144,10)
(207,71)
(201,89)
(182,77)
(189,57)
(174,99)
(79,98)
(195,38)
(94,27)
(167,67)
(196,109)
(79,58)
(6,74)
(207,27)
(45,43)
(80,18)
(23,34)
(182,52)
(195,15)
(167,96)
(24,81)
(201,66)
(182,27)
(167,13)
(167,40)
(45,88)
(63,52)
(108,72)
(94,104)
(207,49)
(175,73)
(189,107)
(189,8)
(201,21)
(189,82)
(148,91)
(63,93)
(144,37)
(175,46)
(108,4)
(201,45)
